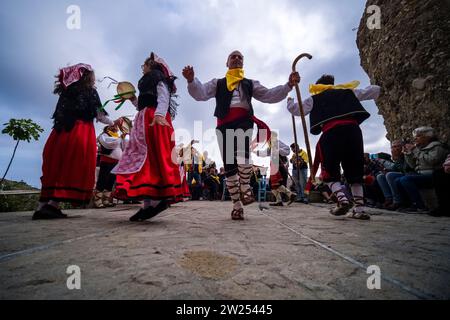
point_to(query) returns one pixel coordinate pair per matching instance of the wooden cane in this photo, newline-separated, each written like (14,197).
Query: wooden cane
(302,114)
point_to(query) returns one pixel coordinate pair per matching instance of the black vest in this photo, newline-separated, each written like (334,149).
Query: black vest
(148,95)
(335,104)
(223,96)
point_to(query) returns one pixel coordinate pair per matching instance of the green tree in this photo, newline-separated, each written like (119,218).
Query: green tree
(20,130)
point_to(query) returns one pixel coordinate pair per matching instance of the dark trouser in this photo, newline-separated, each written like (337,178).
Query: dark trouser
(412,183)
(238,147)
(105,178)
(441,181)
(342,145)
(374,192)
(194,175)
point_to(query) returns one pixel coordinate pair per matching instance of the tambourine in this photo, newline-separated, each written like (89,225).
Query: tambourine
(125,90)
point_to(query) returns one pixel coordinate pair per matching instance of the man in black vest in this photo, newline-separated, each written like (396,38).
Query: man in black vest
(235,121)
(336,112)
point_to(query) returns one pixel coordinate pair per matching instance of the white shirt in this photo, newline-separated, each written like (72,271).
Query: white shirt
(206,91)
(163,99)
(368,93)
(112,143)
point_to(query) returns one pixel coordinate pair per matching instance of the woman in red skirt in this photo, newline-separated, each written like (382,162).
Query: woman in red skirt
(68,169)
(148,168)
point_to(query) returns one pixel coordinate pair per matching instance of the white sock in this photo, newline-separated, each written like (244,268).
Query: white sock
(233,189)
(277,195)
(336,188)
(245,173)
(358,196)
(285,190)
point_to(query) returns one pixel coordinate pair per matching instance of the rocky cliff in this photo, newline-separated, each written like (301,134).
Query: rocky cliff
(409,57)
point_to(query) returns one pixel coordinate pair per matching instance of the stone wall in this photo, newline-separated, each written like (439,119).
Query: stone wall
(409,57)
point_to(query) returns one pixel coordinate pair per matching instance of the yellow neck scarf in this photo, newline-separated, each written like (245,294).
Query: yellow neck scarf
(234,76)
(319,88)
(113,134)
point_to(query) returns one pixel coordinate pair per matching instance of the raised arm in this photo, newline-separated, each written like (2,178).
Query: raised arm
(202,92)
(284,149)
(294,109)
(369,93)
(199,91)
(272,95)
(276,94)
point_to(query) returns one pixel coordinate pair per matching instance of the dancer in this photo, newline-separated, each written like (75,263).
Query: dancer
(69,157)
(278,152)
(235,121)
(111,146)
(335,111)
(147,170)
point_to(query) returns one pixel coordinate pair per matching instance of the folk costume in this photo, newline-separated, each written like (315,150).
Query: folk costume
(278,153)
(336,112)
(235,121)
(146,169)
(69,156)
(182,161)
(110,151)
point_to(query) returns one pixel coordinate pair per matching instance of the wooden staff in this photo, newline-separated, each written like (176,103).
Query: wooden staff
(302,114)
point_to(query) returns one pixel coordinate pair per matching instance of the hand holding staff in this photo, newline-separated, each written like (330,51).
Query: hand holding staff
(302,114)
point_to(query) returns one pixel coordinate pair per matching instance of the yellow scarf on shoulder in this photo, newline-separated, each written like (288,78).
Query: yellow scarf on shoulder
(234,76)
(319,88)
(112,134)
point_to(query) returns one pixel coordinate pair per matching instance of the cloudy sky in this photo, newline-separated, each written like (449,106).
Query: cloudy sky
(116,37)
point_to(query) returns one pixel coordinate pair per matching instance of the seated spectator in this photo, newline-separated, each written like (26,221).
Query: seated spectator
(372,191)
(254,180)
(212,183)
(325,191)
(391,173)
(441,181)
(425,156)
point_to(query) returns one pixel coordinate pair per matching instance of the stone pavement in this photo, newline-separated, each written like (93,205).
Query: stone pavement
(195,251)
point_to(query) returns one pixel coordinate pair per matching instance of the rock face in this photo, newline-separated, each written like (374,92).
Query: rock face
(409,57)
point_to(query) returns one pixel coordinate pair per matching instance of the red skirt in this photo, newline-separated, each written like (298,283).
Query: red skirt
(68,168)
(276,180)
(185,187)
(159,177)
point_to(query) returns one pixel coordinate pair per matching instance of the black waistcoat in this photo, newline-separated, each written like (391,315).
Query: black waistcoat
(223,96)
(148,95)
(75,103)
(335,104)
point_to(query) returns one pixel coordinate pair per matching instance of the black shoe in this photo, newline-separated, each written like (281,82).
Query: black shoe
(276,204)
(150,212)
(138,216)
(58,212)
(438,213)
(48,212)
